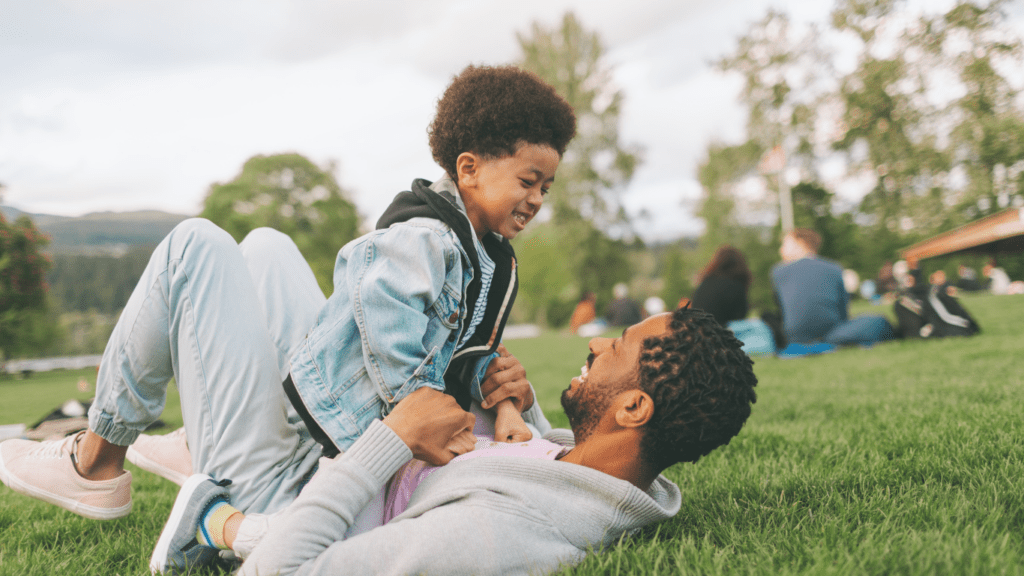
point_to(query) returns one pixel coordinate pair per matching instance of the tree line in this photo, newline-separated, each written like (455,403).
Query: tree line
(928,115)
(933,164)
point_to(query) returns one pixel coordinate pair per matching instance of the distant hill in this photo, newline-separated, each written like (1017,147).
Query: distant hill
(101,232)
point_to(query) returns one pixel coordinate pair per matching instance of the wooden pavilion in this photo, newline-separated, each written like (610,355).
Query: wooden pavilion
(999,233)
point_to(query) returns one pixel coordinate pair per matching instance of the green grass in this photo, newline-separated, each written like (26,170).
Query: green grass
(906,458)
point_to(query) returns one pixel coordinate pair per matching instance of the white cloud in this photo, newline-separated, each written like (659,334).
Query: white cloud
(118,104)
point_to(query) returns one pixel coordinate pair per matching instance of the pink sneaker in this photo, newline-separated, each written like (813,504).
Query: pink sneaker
(44,470)
(165,455)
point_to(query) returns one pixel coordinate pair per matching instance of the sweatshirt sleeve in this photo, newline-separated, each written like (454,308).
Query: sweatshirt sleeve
(478,534)
(327,506)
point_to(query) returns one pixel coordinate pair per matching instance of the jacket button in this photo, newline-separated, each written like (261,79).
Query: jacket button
(453,318)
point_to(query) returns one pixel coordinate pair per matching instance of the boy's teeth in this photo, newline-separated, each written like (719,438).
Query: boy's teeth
(519,218)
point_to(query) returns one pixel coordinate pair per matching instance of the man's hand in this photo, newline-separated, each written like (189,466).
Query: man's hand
(506,378)
(433,426)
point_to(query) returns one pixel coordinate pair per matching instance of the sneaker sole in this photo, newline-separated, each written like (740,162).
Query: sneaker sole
(151,466)
(91,512)
(158,561)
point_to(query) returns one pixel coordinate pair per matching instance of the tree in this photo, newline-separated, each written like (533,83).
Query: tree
(576,249)
(596,167)
(988,141)
(24,320)
(938,158)
(916,142)
(98,283)
(289,193)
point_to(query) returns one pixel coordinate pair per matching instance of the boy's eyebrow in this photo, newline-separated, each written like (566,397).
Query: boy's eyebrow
(539,173)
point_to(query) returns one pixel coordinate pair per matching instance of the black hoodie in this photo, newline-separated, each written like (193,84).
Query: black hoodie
(421,201)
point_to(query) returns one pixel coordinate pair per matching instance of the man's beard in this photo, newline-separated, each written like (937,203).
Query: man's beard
(584,411)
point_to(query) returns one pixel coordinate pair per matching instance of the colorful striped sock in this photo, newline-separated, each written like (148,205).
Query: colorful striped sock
(211,527)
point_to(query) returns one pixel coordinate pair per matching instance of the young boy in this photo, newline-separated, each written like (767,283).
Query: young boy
(422,300)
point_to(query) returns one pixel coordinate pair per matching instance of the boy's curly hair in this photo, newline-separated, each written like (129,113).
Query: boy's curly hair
(702,385)
(492,110)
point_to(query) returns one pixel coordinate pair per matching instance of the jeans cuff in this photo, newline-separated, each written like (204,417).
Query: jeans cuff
(104,426)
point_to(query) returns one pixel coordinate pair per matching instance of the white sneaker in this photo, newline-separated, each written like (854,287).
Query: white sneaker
(166,455)
(45,470)
(178,551)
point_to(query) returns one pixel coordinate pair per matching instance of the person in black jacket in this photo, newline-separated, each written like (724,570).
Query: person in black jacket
(723,287)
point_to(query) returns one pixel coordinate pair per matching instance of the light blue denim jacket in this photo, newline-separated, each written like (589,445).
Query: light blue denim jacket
(390,327)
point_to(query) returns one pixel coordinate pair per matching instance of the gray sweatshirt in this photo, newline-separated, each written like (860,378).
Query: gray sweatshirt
(493,515)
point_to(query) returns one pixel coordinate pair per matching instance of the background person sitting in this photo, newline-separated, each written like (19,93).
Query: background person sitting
(724,282)
(886,279)
(967,279)
(939,280)
(623,311)
(584,313)
(813,299)
(998,279)
(722,292)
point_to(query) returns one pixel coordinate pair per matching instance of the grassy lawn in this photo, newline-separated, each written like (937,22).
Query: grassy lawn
(904,458)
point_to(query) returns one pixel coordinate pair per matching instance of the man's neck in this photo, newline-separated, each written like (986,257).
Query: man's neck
(801,256)
(614,454)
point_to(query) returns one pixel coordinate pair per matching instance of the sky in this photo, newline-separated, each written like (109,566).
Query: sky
(143,104)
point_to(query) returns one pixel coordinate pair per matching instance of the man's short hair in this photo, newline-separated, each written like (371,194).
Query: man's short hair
(809,238)
(492,110)
(702,385)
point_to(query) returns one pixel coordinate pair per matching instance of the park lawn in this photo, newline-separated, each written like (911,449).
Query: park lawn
(904,458)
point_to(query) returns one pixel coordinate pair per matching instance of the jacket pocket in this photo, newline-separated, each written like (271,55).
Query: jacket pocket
(447,307)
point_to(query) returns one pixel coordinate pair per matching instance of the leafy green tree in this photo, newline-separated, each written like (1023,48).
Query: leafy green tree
(718,174)
(552,278)
(916,143)
(100,283)
(575,249)
(289,193)
(25,324)
(787,76)
(938,162)
(888,116)
(676,275)
(989,138)
(596,166)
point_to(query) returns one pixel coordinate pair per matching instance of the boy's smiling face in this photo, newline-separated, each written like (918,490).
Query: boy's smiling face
(503,194)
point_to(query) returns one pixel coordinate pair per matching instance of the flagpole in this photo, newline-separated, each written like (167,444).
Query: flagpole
(774,162)
(785,203)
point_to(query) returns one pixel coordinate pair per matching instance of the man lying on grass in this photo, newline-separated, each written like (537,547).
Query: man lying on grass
(671,389)
(222,318)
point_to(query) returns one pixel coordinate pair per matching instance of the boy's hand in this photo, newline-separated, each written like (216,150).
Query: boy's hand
(433,426)
(506,378)
(509,425)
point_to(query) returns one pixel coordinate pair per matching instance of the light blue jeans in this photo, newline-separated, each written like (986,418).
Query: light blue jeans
(222,319)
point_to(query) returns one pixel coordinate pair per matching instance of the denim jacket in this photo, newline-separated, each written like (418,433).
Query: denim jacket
(391,326)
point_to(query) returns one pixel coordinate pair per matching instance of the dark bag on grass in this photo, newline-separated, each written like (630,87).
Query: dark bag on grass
(932,314)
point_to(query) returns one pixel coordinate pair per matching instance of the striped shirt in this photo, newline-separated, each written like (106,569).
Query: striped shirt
(486,264)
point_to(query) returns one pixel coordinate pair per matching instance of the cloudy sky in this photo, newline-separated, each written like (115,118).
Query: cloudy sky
(126,105)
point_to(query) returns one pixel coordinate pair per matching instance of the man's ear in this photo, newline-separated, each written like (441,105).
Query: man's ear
(633,409)
(467,166)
